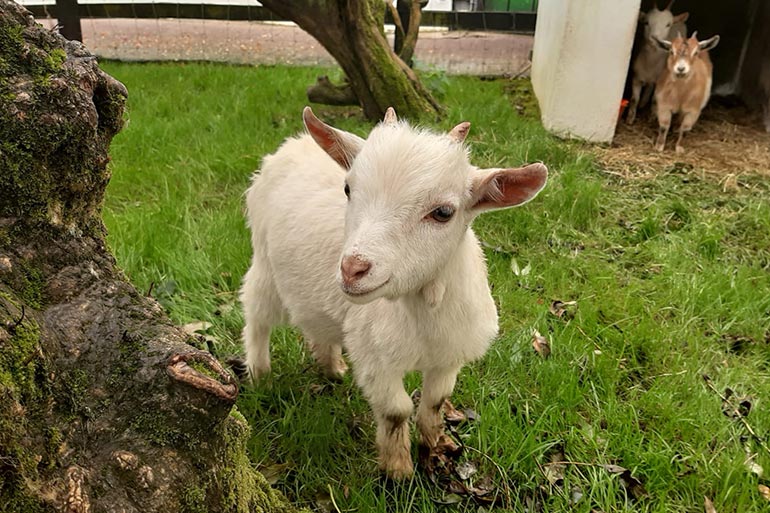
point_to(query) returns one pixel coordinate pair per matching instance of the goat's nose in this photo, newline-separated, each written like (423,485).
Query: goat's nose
(354,268)
(680,69)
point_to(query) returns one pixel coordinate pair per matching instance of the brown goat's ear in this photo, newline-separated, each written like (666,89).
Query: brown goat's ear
(339,145)
(661,43)
(708,44)
(503,188)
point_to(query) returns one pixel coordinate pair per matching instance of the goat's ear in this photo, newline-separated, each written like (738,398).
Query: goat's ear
(661,43)
(708,44)
(460,132)
(681,18)
(642,16)
(503,188)
(390,117)
(341,146)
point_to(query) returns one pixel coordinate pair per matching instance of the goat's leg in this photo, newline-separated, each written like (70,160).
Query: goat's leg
(688,120)
(437,386)
(325,343)
(664,123)
(392,407)
(646,95)
(262,308)
(636,91)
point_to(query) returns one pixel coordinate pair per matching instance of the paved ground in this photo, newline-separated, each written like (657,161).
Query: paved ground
(455,52)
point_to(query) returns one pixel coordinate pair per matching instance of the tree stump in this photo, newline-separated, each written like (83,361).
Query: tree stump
(103,404)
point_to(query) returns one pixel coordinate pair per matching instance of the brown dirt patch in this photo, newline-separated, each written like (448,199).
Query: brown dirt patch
(728,141)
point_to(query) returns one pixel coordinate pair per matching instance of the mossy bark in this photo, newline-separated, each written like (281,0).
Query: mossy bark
(103,404)
(352,32)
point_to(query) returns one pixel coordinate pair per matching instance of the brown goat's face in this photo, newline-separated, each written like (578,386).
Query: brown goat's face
(683,52)
(681,56)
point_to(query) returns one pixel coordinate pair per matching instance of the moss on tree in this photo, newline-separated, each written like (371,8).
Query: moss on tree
(103,404)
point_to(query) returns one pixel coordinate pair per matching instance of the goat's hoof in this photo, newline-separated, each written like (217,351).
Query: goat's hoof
(659,147)
(680,149)
(400,472)
(336,371)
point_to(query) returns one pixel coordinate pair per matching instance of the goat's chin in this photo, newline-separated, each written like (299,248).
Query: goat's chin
(361,297)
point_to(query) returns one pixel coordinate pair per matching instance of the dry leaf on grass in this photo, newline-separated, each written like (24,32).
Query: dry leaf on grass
(465,470)
(560,309)
(196,327)
(764,491)
(736,407)
(451,414)
(708,506)
(540,344)
(632,485)
(273,473)
(439,461)
(519,271)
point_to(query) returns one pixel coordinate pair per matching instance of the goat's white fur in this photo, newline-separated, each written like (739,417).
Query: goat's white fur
(425,303)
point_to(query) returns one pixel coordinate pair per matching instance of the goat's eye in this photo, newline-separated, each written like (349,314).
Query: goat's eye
(347,191)
(443,213)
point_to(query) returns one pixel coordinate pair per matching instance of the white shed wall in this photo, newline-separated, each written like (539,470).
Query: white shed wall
(579,64)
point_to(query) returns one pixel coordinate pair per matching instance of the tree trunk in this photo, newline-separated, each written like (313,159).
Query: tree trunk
(103,404)
(352,32)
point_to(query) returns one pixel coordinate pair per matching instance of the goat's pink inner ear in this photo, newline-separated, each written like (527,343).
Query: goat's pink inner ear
(340,146)
(509,187)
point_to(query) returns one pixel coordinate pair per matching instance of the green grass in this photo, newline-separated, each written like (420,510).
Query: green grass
(671,277)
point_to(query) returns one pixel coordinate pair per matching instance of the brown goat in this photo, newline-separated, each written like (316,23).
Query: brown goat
(684,86)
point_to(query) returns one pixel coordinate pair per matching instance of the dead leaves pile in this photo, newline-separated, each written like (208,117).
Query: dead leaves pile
(458,479)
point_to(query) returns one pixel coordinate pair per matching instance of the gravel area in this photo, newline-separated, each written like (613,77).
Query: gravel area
(245,42)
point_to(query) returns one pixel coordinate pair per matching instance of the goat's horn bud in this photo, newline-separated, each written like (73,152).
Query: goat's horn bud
(390,116)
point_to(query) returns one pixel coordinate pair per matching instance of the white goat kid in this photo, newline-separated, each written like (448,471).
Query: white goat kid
(650,61)
(394,272)
(685,86)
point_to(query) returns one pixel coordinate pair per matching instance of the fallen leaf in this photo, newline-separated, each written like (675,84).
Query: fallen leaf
(540,344)
(471,415)
(451,414)
(708,506)
(559,309)
(456,487)
(465,470)
(517,271)
(323,503)
(439,461)
(577,495)
(196,327)
(632,485)
(447,499)
(273,473)
(753,466)
(736,407)
(554,470)
(764,491)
